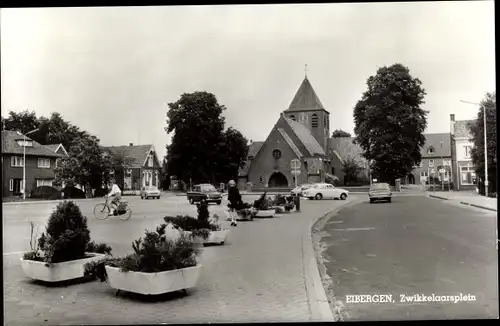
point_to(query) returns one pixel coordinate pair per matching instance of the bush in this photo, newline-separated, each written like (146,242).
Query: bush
(200,228)
(67,237)
(46,192)
(153,254)
(279,200)
(203,213)
(263,203)
(73,193)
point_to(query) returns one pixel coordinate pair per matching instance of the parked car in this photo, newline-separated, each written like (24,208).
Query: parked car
(325,190)
(150,191)
(380,191)
(297,191)
(205,192)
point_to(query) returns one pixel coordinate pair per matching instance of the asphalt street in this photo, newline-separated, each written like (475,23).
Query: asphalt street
(414,245)
(257,276)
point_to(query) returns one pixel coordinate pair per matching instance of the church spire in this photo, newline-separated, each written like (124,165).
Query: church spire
(305,98)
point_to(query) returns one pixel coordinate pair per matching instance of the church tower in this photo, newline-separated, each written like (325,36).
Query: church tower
(307,109)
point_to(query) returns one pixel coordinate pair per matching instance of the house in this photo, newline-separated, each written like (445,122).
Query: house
(436,158)
(144,168)
(41,161)
(464,175)
(301,133)
(343,149)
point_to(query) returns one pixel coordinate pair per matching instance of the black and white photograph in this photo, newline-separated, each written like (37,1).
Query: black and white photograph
(256,163)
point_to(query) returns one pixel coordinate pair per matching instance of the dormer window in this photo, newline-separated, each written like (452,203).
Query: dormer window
(25,143)
(292,117)
(431,151)
(250,157)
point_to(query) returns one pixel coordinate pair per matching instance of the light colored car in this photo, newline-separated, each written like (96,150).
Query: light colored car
(300,189)
(325,190)
(150,191)
(380,191)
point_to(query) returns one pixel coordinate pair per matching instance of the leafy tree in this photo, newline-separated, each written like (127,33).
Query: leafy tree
(338,133)
(200,150)
(351,169)
(23,122)
(477,131)
(389,123)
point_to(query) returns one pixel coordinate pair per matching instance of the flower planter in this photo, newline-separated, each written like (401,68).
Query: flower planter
(241,217)
(58,272)
(268,213)
(153,283)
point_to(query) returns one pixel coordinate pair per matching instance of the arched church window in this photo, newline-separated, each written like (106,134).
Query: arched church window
(305,166)
(333,170)
(431,150)
(277,154)
(324,122)
(314,120)
(292,117)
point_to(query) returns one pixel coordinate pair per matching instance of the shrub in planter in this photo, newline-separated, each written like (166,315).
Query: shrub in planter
(278,210)
(279,200)
(199,227)
(263,203)
(150,269)
(66,239)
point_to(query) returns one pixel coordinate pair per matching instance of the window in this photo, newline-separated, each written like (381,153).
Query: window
(44,163)
(431,163)
(43,182)
(150,161)
(424,174)
(292,117)
(23,143)
(467,150)
(250,157)
(17,161)
(324,122)
(468,175)
(277,154)
(430,150)
(11,185)
(333,170)
(314,120)
(447,162)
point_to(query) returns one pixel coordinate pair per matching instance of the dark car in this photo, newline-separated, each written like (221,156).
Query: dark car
(205,192)
(380,191)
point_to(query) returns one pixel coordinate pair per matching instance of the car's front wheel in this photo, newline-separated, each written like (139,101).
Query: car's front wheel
(389,200)
(318,196)
(343,196)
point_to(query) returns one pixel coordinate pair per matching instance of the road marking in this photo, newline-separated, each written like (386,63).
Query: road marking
(354,229)
(14,253)
(335,222)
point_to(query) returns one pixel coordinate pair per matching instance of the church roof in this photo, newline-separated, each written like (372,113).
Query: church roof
(306,137)
(253,149)
(305,98)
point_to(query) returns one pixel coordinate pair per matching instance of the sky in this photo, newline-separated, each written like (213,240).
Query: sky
(112,70)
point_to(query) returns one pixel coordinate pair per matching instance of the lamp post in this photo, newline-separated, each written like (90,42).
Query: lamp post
(485,148)
(24,161)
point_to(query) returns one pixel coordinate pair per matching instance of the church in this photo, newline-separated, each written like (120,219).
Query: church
(302,132)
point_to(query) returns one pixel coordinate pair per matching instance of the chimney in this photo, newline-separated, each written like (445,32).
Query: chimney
(131,144)
(452,124)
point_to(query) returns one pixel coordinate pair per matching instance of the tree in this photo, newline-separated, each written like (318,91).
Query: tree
(23,122)
(232,155)
(477,130)
(351,169)
(200,150)
(389,123)
(338,133)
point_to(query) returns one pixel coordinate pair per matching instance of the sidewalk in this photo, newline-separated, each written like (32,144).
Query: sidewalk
(265,272)
(466,198)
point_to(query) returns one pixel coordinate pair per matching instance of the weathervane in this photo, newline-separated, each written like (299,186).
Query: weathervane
(305,70)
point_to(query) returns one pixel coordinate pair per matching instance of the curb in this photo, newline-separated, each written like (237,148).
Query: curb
(478,206)
(32,202)
(319,304)
(438,197)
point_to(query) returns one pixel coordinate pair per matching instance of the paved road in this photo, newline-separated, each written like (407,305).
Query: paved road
(414,245)
(259,275)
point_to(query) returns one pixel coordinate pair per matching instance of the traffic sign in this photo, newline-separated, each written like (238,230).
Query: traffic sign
(295,172)
(295,164)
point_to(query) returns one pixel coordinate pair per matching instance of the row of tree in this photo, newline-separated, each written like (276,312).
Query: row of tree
(85,165)
(202,150)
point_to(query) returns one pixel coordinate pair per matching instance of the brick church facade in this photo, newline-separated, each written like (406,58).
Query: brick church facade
(302,132)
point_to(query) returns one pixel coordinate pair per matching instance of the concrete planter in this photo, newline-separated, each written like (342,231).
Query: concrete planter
(268,213)
(153,283)
(58,272)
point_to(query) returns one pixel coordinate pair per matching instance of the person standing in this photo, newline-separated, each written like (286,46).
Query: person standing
(235,202)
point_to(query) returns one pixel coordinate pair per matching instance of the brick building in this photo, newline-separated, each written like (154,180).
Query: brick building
(302,132)
(41,161)
(464,175)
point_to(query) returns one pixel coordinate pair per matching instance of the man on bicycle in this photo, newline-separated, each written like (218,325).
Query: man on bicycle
(116,193)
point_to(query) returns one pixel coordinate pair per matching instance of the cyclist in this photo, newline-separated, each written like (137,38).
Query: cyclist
(116,193)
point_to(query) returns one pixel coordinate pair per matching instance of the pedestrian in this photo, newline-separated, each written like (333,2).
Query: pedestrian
(235,202)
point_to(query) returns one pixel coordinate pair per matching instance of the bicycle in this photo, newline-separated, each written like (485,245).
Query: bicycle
(102,210)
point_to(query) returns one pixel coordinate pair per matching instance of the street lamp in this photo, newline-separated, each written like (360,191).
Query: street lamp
(485,148)
(24,161)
